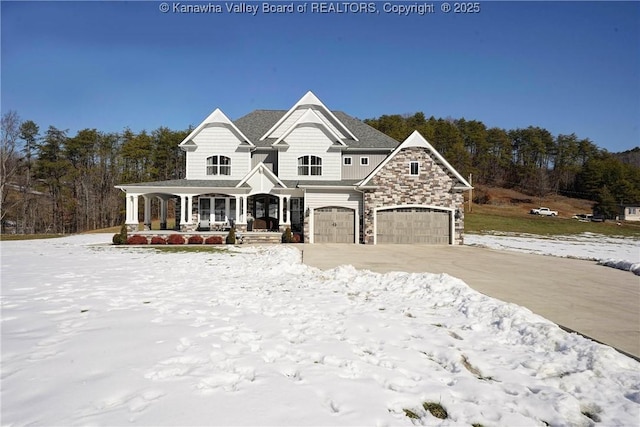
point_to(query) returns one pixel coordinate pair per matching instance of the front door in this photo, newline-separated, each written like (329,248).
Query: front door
(265,212)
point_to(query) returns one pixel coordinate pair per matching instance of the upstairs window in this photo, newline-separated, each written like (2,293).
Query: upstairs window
(364,161)
(218,165)
(346,161)
(414,168)
(309,165)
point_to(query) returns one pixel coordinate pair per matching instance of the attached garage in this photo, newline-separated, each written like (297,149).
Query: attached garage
(413,225)
(333,225)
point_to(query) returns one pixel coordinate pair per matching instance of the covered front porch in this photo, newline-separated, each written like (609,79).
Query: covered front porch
(217,211)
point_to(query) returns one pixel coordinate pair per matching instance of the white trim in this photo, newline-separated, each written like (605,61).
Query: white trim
(363,159)
(411,163)
(344,161)
(310,116)
(417,140)
(266,171)
(217,117)
(218,165)
(308,99)
(309,165)
(452,214)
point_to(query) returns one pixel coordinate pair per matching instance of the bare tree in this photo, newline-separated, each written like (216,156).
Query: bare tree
(9,160)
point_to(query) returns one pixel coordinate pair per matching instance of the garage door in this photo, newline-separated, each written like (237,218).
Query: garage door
(333,225)
(413,225)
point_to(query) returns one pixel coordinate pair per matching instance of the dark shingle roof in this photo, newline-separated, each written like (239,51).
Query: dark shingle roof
(342,183)
(186,183)
(255,124)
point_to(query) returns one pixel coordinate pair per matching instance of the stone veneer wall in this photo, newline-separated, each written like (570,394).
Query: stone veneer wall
(433,186)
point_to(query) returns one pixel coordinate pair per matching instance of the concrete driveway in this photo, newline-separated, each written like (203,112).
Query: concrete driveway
(600,302)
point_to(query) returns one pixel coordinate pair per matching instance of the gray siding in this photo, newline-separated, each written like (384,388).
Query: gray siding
(269,158)
(355,171)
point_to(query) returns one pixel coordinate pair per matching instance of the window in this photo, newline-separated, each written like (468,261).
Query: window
(218,165)
(347,161)
(309,165)
(364,161)
(414,168)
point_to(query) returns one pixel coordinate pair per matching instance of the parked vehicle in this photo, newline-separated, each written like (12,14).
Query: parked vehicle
(583,217)
(543,211)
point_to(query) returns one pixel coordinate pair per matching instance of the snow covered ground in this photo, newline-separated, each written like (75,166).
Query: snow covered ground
(103,335)
(617,252)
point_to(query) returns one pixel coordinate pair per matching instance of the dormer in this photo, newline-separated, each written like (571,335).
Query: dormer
(217,150)
(301,111)
(215,119)
(310,119)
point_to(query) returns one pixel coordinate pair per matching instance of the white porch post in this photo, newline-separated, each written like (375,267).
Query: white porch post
(189,210)
(147,212)
(237,218)
(289,210)
(134,213)
(244,208)
(129,208)
(183,208)
(280,210)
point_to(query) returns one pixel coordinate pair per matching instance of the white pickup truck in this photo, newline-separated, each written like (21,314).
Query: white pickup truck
(543,211)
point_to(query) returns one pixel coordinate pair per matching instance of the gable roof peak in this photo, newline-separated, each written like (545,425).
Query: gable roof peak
(417,140)
(310,99)
(216,117)
(310,116)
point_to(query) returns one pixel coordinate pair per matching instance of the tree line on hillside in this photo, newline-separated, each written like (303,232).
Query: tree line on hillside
(54,182)
(531,160)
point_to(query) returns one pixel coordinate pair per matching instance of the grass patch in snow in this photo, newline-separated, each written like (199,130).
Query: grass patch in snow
(410,414)
(436,409)
(479,223)
(29,236)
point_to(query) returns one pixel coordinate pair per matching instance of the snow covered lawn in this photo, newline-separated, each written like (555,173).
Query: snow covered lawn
(102,335)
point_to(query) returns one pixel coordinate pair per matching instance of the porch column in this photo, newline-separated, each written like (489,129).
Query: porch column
(237,218)
(132,212)
(189,209)
(147,212)
(289,210)
(129,208)
(280,210)
(244,208)
(183,207)
(163,213)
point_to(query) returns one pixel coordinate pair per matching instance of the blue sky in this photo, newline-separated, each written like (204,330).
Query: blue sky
(569,67)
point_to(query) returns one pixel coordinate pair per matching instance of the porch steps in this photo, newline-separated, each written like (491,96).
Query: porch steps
(261,238)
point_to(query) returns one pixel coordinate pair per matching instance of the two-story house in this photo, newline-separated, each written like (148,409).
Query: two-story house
(323,173)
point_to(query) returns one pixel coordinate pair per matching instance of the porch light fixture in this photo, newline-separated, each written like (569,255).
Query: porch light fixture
(457,214)
(307,212)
